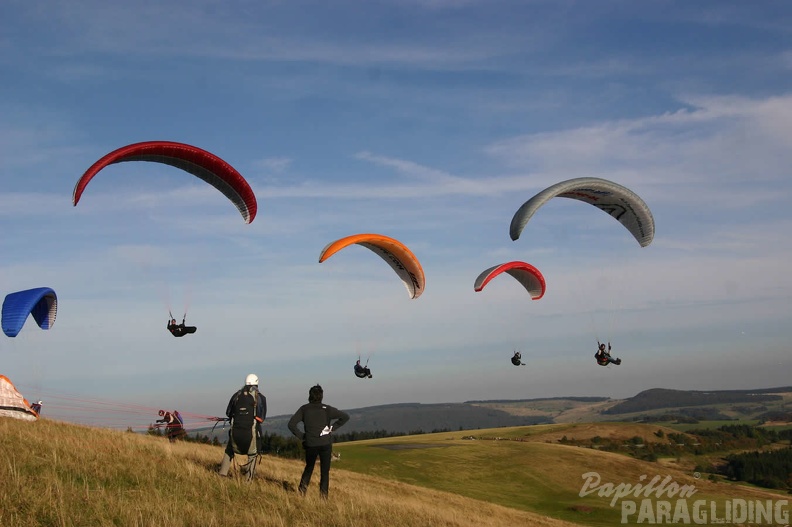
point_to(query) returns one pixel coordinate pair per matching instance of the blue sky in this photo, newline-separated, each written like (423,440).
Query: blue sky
(430,121)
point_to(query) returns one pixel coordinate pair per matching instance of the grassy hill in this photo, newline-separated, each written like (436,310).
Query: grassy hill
(526,468)
(54,473)
(58,474)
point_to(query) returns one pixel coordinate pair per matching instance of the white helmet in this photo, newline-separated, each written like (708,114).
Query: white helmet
(251,380)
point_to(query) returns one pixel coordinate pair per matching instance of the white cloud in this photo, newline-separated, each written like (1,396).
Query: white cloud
(275,164)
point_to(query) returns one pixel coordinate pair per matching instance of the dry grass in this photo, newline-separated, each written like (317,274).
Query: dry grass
(58,474)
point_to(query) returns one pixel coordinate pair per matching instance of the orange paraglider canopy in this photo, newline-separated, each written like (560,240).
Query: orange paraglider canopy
(398,256)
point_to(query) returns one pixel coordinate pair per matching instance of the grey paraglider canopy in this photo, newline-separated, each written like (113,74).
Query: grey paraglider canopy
(618,201)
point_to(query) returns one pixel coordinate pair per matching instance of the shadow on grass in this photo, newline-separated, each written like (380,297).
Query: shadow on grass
(236,473)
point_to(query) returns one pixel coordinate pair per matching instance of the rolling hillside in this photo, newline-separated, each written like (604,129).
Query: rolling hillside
(773,404)
(61,474)
(410,417)
(54,473)
(659,398)
(528,469)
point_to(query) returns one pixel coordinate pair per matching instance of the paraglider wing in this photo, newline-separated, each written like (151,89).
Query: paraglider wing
(12,404)
(191,159)
(525,273)
(40,302)
(618,201)
(398,256)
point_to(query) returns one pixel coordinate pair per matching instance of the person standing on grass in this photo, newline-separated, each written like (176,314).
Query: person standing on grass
(246,410)
(318,425)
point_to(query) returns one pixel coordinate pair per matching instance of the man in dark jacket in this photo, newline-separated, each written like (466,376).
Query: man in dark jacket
(318,425)
(246,410)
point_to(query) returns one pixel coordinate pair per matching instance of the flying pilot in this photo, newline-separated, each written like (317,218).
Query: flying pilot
(179,330)
(603,356)
(517,359)
(362,371)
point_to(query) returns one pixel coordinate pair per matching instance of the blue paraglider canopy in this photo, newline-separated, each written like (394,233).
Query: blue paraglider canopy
(41,302)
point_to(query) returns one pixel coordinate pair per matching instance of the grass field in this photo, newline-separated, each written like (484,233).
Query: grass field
(57,474)
(525,469)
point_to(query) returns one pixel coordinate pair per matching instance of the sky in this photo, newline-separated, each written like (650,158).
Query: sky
(429,121)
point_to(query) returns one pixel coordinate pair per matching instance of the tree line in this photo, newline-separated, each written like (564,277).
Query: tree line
(771,469)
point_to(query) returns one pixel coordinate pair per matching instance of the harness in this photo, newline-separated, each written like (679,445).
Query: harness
(254,393)
(248,468)
(360,371)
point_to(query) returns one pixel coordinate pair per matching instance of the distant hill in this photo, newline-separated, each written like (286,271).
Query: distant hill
(657,398)
(765,404)
(404,418)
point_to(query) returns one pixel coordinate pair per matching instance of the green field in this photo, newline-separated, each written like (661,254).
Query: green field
(525,469)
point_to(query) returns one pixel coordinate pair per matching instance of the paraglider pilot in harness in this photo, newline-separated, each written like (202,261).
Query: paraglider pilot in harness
(174,428)
(179,330)
(517,359)
(246,410)
(603,356)
(362,371)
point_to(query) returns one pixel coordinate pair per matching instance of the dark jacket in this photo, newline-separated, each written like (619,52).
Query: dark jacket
(317,419)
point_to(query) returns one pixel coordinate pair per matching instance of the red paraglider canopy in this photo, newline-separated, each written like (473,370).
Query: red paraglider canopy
(191,159)
(525,273)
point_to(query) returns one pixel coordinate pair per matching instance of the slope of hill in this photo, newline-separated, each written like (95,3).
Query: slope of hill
(525,468)
(60,474)
(55,473)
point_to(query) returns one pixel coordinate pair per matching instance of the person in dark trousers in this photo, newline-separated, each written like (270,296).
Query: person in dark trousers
(318,425)
(173,426)
(179,330)
(362,371)
(246,410)
(37,407)
(603,356)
